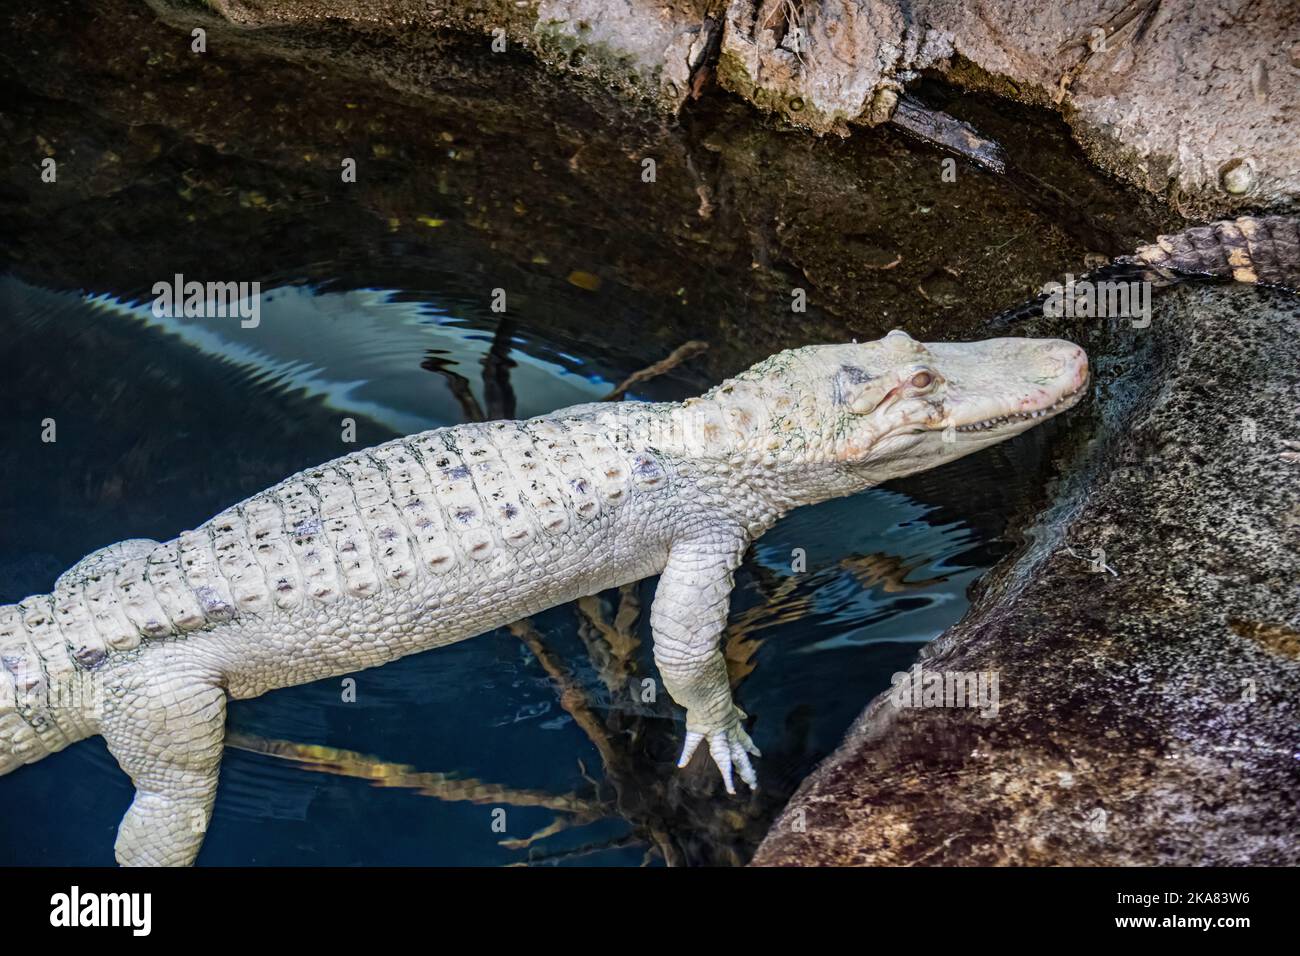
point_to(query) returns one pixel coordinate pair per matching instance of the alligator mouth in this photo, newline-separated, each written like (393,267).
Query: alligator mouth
(1066,401)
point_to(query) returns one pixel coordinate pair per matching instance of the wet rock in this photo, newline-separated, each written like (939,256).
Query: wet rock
(650,51)
(1149,715)
(1146,88)
(1162,94)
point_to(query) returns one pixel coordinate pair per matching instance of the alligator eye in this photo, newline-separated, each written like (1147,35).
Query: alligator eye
(922,380)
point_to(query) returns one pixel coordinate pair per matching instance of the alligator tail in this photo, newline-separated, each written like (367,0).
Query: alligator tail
(1260,250)
(46,701)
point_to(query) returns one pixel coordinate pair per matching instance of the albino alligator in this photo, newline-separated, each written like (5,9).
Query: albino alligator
(443,535)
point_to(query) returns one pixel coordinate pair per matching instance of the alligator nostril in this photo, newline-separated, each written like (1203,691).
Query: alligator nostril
(1070,360)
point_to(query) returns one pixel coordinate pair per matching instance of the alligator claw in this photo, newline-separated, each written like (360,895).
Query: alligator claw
(693,738)
(730,748)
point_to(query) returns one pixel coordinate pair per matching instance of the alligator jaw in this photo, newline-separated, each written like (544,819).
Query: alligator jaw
(1064,403)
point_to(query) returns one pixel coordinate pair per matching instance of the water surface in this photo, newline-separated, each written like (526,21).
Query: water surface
(376,317)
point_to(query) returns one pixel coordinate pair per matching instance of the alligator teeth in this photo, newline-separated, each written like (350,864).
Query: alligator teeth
(1019,417)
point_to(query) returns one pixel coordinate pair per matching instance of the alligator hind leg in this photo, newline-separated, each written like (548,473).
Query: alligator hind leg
(169,740)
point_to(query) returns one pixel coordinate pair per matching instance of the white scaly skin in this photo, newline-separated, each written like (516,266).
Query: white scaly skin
(441,536)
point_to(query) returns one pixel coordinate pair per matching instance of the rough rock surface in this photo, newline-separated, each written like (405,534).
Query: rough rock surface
(1195,102)
(1147,716)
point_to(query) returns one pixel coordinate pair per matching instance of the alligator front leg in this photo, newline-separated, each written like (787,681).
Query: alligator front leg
(688,617)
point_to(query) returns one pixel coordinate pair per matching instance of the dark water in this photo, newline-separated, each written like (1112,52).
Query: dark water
(168,420)
(375,308)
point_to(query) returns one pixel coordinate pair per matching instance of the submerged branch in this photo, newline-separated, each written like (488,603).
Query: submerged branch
(948,133)
(679,355)
(380,773)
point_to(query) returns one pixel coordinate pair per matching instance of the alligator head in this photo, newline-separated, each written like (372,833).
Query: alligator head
(918,405)
(839,418)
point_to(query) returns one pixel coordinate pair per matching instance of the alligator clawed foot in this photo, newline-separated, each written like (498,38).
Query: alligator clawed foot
(730,748)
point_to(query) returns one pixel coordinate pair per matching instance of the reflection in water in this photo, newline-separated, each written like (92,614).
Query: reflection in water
(375,309)
(352,349)
(552,722)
